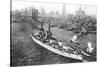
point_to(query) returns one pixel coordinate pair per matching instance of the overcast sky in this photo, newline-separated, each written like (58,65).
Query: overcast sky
(70,8)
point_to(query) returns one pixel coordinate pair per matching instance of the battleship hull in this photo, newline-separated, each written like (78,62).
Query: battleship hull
(65,54)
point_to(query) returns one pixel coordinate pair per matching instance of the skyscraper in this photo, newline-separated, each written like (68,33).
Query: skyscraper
(63,11)
(80,12)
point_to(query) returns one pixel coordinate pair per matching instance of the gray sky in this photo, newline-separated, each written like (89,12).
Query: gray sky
(70,8)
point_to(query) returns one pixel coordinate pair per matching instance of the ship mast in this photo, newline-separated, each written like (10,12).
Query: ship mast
(49,26)
(42,25)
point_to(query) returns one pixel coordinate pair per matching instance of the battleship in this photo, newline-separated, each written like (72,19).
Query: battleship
(66,49)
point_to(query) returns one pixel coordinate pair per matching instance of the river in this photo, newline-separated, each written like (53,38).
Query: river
(26,52)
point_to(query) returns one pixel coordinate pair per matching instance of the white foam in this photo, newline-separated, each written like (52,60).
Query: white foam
(90,48)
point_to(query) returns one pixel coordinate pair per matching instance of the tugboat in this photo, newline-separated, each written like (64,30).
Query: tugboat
(46,40)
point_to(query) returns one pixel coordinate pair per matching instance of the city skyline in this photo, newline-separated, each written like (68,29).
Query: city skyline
(54,7)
